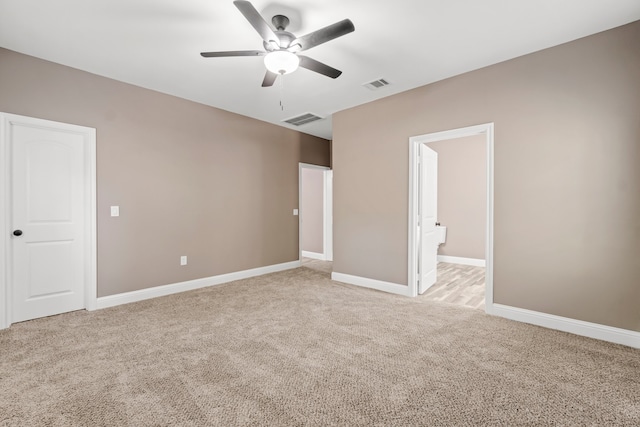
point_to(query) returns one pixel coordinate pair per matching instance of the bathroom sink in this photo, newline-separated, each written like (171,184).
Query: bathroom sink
(441,234)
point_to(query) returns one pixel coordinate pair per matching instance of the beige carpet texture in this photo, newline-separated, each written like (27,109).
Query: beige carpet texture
(296,349)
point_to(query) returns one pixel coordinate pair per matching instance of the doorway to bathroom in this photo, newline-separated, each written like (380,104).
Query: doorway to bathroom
(456,192)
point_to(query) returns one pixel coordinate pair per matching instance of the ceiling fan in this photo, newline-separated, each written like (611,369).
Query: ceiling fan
(281,47)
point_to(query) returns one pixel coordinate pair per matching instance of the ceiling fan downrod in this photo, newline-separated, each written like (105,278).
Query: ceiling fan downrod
(280,22)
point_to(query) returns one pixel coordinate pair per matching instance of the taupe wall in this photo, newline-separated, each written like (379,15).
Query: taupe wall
(567,181)
(312,210)
(189,179)
(462,195)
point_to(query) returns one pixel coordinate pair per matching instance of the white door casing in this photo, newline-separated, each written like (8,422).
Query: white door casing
(49,195)
(427,218)
(328,215)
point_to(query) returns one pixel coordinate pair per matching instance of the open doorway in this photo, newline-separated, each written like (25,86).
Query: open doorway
(315,216)
(461,210)
(466,253)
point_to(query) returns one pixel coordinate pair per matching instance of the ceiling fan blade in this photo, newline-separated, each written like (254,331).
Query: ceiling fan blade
(257,21)
(233,53)
(318,67)
(325,34)
(269,79)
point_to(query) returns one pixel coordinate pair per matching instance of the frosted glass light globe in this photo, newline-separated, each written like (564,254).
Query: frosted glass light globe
(281,62)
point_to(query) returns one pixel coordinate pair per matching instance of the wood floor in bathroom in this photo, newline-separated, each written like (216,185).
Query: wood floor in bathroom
(456,284)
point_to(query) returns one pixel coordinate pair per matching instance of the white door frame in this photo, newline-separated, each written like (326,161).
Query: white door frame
(327,197)
(90,280)
(326,238)
(414,190)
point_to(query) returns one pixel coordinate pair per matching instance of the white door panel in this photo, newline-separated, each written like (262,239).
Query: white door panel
(49,179)
(48,206)
(54,262)
(427,220)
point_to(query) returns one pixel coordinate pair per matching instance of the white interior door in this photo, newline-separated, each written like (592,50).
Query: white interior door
(48,220)
(428,254)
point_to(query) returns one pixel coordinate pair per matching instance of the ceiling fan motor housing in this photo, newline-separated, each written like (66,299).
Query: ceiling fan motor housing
(285,37)
(285,40)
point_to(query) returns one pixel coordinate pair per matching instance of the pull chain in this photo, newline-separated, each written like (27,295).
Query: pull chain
(282,92)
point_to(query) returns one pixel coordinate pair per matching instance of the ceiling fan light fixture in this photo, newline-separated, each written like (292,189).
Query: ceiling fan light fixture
(281,62)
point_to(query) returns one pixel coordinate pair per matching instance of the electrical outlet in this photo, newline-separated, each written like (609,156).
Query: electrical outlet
(295,212)
(183,260)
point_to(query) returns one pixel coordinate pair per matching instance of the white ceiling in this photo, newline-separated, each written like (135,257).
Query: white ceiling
(156,44)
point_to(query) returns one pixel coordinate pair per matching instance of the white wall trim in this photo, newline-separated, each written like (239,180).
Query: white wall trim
(414,146)
(379,285)
(565,324)
(314,255)
(159,291)
(90,249)
(463,261)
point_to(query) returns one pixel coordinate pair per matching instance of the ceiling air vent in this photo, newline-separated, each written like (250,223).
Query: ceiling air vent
(303,119)
(376,84)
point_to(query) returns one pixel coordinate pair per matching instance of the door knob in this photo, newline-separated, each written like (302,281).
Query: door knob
(17,233)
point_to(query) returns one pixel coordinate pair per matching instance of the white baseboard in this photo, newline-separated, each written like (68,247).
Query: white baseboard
(380,285)
(464,261)
(313,255)
(578,327)
(159,291)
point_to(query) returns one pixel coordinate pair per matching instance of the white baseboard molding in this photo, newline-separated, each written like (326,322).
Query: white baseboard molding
(159,291)
(313,255)
(578,327)
(379,285)
(464,261)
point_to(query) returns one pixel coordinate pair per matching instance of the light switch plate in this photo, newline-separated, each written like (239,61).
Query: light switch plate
(115,210)
(183,260)
(295,211)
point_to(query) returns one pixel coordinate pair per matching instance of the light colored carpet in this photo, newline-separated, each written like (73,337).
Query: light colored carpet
(455,284)
(321,266)
(294,348)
